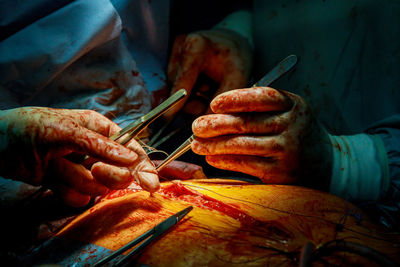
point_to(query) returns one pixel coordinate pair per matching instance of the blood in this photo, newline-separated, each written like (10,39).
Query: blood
(120,193)
(132,188)
(250,226)
(181,192)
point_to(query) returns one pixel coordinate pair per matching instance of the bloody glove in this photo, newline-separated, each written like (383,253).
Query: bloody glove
(35,142)
(222,54)
(266,133)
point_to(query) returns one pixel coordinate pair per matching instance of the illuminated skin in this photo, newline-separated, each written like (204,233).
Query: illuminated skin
(233,223)
(220,54)
(266,133)
(35,142)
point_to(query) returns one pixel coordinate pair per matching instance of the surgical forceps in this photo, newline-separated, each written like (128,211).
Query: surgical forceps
(147,238)
(135,128)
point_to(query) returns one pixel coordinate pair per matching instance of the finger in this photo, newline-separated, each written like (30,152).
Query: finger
(76,177)
(111,176)
(143,163)
(72,197)
(83,140)
(191,63)
(257,99)
(223,124)
(115,177)
(267,169)
(120,177)
(142,170)
(98,123)
(174,60)
(240,145)
(180,170)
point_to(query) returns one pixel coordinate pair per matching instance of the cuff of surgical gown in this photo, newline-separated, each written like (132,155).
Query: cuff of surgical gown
(391,140)
(359,167)
(388,207)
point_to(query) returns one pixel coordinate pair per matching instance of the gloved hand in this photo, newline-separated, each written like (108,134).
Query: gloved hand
(222,54)
(266,133)
(35,141)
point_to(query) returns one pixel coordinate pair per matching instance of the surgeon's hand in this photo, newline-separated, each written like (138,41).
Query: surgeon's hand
(222,55)
(266,133)
(36,145)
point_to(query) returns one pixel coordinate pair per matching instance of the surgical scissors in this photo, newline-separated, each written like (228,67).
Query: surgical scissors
(147,238)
